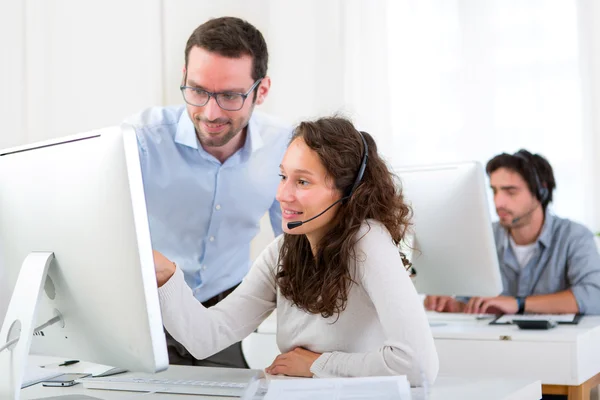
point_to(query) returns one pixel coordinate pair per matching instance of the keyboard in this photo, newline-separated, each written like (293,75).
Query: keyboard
(178,386)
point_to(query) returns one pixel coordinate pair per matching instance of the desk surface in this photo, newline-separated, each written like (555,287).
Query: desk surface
(467,346)
(445,388)
(463,326)
(466,326)
(565,355)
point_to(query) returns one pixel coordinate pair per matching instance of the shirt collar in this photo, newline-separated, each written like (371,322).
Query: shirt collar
(186,133)
(544,238)
(254,139)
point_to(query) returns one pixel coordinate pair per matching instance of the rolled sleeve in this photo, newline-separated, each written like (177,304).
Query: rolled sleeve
(583,272)
(275,218)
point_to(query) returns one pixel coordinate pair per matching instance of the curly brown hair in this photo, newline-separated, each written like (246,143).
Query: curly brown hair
(319,283)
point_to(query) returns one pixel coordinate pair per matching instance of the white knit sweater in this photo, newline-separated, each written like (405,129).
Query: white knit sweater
(382,331)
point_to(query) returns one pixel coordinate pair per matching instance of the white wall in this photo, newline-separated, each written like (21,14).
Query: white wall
(75,65)
(589,17)
(12,73)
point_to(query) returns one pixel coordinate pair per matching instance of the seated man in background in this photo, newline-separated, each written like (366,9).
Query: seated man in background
(549,265)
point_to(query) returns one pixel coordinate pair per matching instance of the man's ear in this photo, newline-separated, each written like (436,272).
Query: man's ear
(263,90)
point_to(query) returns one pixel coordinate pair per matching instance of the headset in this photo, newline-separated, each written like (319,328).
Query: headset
(541,191)
(359,176)
(363,165)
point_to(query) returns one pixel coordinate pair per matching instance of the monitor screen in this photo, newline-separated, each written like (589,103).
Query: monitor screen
(451,243)
(81,199)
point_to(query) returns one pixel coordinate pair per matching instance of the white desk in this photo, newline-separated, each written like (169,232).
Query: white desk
(446,388)
(565,359)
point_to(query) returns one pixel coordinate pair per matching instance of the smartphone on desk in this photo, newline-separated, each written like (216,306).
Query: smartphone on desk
(535,323)
(64,380)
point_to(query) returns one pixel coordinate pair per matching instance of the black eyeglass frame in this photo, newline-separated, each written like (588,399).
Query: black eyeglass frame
(218,94)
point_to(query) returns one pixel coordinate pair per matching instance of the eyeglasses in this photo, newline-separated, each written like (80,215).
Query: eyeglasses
(229,101)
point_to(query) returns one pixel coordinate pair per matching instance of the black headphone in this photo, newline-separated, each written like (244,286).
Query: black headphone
(541,191)
(363,165)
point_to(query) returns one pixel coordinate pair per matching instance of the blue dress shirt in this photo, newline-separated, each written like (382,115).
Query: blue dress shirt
(203,214)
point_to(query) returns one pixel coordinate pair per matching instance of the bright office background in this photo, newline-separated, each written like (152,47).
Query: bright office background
(433,81)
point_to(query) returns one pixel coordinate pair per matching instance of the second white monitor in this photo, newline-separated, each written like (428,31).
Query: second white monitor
(452,243)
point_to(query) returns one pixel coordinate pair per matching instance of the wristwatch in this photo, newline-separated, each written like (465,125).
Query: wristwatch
(520,304)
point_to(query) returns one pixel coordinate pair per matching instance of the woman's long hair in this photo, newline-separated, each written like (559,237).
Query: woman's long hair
(319,283)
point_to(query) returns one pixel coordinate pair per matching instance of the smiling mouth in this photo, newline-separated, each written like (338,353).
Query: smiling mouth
(213,126)
(290,212)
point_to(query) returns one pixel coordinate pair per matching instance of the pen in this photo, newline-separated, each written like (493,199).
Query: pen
(70,362)
(64,364)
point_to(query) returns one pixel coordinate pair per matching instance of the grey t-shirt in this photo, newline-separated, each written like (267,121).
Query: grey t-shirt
(566,258)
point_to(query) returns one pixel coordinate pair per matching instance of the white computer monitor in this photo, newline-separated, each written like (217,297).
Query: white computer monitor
(451,243)
(75,242)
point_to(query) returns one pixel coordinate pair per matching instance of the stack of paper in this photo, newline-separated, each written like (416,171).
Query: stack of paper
(35,375)
(368,388)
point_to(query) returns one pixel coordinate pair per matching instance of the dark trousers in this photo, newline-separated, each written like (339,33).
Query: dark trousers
(231,357)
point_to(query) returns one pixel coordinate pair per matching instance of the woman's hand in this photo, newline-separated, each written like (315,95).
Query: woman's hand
(164,268)
(293,363)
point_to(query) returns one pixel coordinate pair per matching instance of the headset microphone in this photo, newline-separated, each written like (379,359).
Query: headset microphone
(295,224)
(517,219)
(359,175)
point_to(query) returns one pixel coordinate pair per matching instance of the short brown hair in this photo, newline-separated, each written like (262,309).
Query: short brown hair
(535,170)
(231,37)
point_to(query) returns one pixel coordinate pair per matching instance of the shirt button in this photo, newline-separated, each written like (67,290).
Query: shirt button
(212,239)
(218,206)
(204,268)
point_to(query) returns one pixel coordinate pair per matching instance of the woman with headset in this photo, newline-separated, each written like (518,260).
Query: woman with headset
(345,304)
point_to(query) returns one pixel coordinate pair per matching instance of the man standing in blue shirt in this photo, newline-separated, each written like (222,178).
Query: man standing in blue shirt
(549,265)
(210,168)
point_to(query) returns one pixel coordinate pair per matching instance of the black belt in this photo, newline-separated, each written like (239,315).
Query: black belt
(215,299)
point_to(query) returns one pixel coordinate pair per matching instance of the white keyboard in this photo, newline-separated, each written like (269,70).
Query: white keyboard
(234,389)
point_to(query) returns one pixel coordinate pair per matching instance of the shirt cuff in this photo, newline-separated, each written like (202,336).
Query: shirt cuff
(172,287)
(318,366)
(580,294)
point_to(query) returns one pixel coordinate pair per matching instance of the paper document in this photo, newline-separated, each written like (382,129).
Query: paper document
(505,319)
(367,388)
(35,375)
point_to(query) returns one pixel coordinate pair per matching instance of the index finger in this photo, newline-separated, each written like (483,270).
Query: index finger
(471,305)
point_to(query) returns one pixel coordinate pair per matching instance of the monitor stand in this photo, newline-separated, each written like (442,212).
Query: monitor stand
(19,322)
